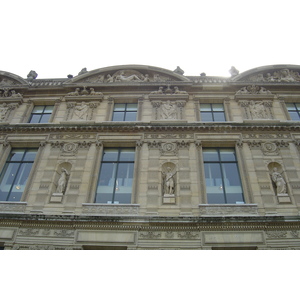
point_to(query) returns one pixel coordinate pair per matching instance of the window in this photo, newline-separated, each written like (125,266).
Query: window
(15,174)
(212,112)
(41,114)
(223,184)
(116,176)
(294,110)
(125,112)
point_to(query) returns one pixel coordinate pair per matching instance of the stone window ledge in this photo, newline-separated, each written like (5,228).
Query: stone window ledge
(110,209)
(12,207)
(228,209)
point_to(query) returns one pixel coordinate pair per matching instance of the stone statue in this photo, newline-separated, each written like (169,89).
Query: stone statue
(62,181)
(233,71)
(160,91)
(178,70)
(168,111)
(279,182)
(32,75)
(3,111)
(121,77)
(169,183)
(177,91)
(84,92)
(93,93)
(110,78)
(14,94)
(257,110)
(83,71)
(76,93)
(80,111)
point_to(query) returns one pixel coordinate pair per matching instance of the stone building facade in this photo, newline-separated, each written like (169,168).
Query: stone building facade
(140,157)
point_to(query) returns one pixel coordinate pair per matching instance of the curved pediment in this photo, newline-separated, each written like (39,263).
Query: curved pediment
(128,74)
(9,79)
(271,74)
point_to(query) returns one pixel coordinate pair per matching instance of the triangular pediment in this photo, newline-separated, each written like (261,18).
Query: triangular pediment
(8,79)
(271,74)
(129,74)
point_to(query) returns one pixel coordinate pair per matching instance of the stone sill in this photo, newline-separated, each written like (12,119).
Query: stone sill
(12,207)
(228,209)
(110,209)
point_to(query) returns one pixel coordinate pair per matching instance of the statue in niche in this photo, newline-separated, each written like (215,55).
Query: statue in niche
(257,110)
(169,182)
(62,181)
(3,111)
(80,111)
(168,111)
(279,182)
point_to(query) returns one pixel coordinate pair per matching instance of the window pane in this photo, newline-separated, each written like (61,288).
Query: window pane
(110,155)
(294,116)
(131,107)
(127,155)
(205,107)
(206,117)
(118,116)
(217,107)
(227,155)
(16,155)
(210,155)
(219,116)
(45,118)
(35,119)
(130,116)
(119,107)
(30,155)
(38,109)
(48,109)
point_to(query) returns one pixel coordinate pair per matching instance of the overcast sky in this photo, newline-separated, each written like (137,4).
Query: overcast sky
(60,37)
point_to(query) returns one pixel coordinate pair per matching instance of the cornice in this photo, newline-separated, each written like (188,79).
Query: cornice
(146,223)
(147,127)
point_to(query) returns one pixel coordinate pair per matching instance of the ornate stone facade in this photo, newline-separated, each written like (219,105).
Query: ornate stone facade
(167,192)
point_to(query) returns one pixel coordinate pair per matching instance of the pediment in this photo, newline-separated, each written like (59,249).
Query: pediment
(271,74)
(129,74)
(8,79)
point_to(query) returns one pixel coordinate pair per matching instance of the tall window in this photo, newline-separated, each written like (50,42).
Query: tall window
(294,110)
(15,174)
(212,112)
(125,112)
(116,176)
(223,184)
(41,114)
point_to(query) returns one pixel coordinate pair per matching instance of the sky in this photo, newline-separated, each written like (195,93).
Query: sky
(60,37)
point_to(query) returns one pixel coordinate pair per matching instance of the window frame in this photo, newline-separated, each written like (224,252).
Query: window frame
(118,162)
(297,110)
(32,113)
(125,111)
(6,167)
(211,104)
(220,164)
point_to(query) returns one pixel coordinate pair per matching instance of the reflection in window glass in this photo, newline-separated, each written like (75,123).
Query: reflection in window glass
(223,184)
(15,174)
(294,111)
(41,114)
(212,112)
(125,112)
(116,176)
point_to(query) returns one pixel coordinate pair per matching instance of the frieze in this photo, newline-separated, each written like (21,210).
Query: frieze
(18,207)
(275,136)
(5,81)
(167,91)
(282,75)
(168,136)
(71,136)
(227,209)
(276,234)
(41,247)
(188,235)
(110,209)
(128,75)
